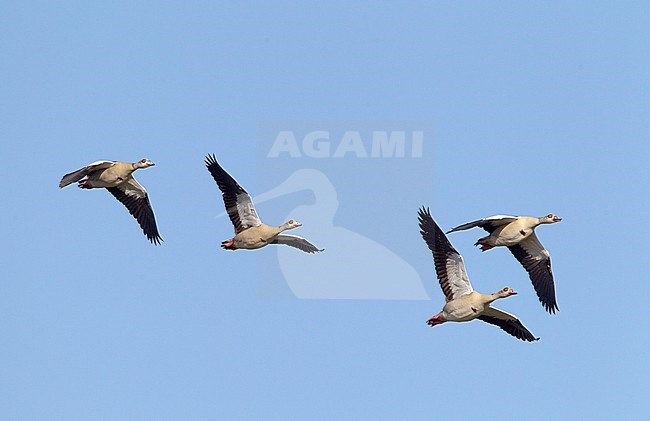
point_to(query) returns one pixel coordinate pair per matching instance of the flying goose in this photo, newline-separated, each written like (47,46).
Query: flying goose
(518,234)
(250,232)
(462,302)
(117,178)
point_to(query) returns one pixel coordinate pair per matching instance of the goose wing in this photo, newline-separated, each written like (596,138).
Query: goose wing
(537,261)
(239,204)
(135,198)
(489,224)
(508,323)
(75,176)
(297,242)
(449,264)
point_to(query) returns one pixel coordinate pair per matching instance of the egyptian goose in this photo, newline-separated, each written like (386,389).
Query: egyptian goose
(250,232)
(518,234)
(117,178)
(462,302)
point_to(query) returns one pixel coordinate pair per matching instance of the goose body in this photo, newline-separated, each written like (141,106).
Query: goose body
(517,233)
(466,307)
(256,237)
(117,178)
(250,232)
(463,304)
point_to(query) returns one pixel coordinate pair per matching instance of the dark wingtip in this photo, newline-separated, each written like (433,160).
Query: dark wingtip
(210,159)
(530,338)
(62,184)
(423,213)
(550,308)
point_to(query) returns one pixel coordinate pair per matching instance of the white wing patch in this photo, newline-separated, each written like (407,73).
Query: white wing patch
(105,164)
(492,221)
(499,314)
(246,210)
(498,217)
(297,242)
(133,188)
(457,276)
(534,248)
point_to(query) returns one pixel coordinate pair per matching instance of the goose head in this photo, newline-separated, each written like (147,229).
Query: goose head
(143,163)
(290,224)
(505,292)
(549,219)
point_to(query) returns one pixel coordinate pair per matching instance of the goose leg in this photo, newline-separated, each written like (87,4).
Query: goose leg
(436,320)
(228,245)
(84,184)
(484,243)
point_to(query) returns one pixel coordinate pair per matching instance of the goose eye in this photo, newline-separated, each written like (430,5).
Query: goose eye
(550,215)
(143,160)
(505,289)
(291,221)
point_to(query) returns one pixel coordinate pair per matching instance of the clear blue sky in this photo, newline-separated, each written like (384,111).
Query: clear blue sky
(526,108)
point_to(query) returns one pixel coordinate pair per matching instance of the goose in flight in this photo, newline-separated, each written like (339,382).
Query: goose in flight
(250,232)
(117,178)
(462,302)
(518,234)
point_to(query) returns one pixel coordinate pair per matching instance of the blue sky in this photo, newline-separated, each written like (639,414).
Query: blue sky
(525,109)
